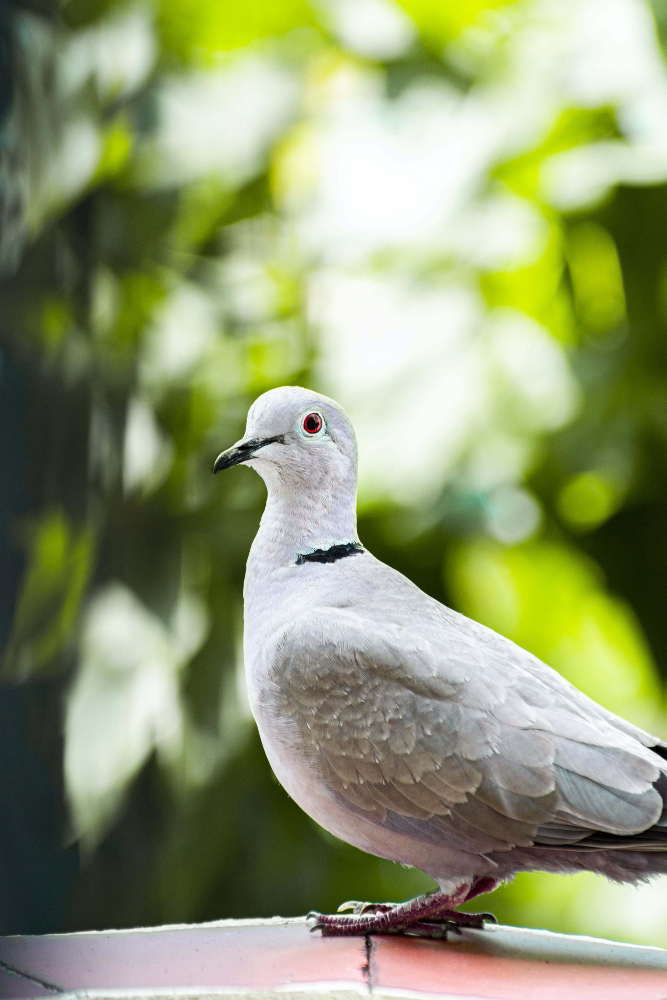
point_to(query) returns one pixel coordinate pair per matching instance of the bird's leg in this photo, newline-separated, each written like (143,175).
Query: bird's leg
(480,884)
(426,916)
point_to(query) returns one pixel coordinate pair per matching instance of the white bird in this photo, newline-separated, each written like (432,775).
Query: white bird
(403,727)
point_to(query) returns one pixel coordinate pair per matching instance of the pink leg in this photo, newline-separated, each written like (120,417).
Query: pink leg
(482,884)
(425,916)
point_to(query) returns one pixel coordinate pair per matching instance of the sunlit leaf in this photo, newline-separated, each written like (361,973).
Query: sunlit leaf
(59,561)
(440,22)
(125,701)
(199,28)
(573,127)
(536,289)
(115,151)
(595,272)
(588,499)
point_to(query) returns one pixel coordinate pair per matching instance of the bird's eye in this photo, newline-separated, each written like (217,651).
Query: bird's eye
(312,423)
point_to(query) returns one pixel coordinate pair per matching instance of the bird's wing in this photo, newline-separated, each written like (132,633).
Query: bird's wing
(473,742)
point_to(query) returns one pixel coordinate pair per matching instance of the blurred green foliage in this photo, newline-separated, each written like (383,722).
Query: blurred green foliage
(452,218)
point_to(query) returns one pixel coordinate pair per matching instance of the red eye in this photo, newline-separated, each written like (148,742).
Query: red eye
(312,423)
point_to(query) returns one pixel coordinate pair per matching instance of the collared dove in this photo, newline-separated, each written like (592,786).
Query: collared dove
(407,729)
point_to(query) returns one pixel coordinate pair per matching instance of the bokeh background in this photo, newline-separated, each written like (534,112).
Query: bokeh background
(452,217)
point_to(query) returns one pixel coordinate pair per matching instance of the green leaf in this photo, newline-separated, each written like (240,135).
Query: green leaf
(440,22)
(58,569)
(198,28)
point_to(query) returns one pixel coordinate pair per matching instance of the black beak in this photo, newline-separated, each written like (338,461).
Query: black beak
(241,452)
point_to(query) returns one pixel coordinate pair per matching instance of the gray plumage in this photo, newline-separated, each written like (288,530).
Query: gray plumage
(405,728)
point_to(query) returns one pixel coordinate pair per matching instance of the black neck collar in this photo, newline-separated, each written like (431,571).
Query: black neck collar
(330,555)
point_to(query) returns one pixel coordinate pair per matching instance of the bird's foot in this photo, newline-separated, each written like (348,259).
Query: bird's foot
(427,916)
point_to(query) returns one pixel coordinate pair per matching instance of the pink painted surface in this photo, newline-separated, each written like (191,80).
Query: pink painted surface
(466,970)
(497,964)
(261,956)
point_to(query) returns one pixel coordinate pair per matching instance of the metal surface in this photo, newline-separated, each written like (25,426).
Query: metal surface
(256,958)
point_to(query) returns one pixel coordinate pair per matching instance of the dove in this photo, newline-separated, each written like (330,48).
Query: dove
(403,727)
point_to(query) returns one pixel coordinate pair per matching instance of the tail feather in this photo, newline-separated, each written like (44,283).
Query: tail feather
(561,835)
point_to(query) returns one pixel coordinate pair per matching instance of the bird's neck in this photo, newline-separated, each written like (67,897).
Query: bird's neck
(299,522)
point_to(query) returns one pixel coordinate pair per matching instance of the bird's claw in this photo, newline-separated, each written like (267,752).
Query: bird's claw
(313,920)
(350,905)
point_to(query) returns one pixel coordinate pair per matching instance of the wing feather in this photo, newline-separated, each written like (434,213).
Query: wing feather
(473,743)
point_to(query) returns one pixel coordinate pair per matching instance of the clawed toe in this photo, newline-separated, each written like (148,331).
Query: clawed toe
(333,925)
(358,907)
(458,919)
(313,920)
(350,906)
(438,931)
(440,926)
(475,919)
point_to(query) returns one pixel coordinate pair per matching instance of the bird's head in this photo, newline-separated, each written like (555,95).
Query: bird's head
(296,438)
